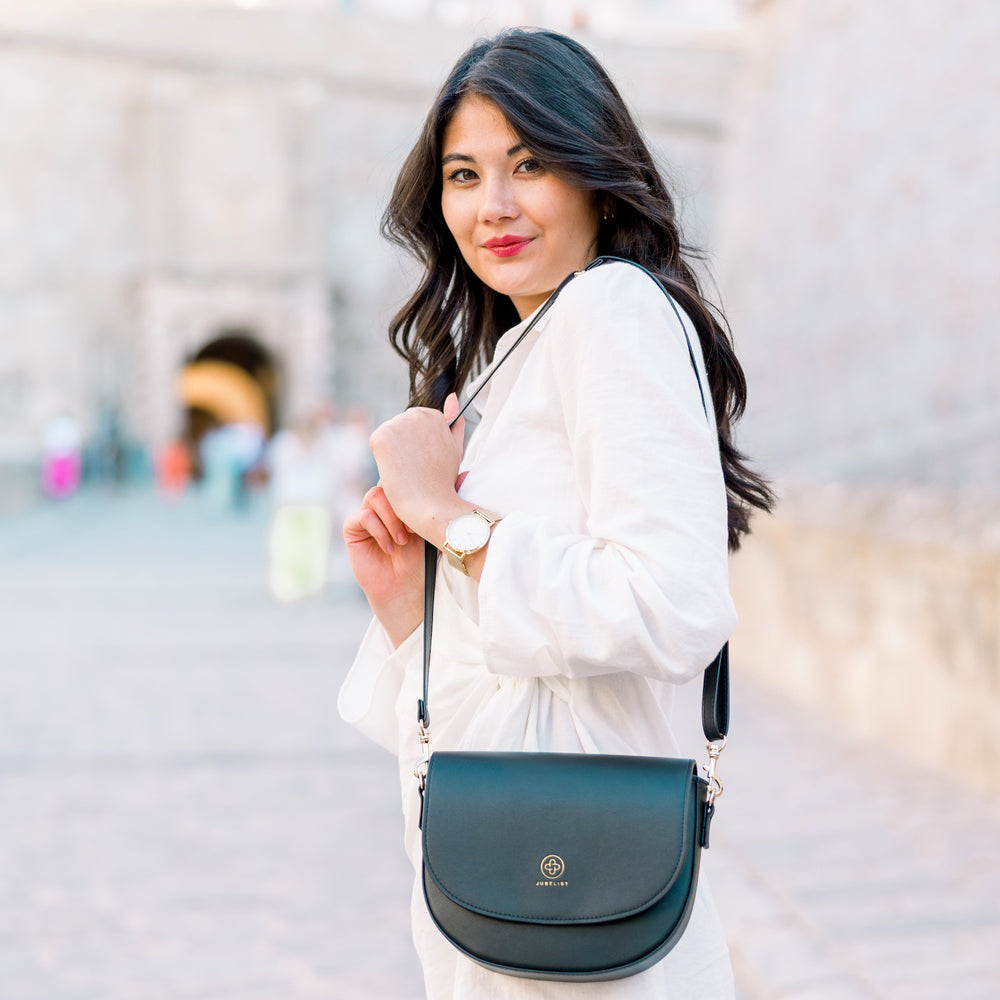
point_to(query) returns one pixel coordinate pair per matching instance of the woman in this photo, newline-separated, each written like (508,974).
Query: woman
(588,515)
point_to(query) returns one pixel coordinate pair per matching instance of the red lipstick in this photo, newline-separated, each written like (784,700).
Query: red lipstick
(506,246)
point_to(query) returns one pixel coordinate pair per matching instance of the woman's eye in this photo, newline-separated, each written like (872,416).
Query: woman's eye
(462,175)
(529,165)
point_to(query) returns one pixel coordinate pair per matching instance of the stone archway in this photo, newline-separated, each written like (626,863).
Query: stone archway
(241,349)
(231,379)
(275,334)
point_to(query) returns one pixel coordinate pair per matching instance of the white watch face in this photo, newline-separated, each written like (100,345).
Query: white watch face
(468,532)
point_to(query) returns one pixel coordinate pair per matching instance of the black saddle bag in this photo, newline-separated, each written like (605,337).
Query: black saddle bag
(575,867)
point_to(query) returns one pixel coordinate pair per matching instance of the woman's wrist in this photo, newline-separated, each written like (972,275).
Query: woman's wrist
(433,526)
(400,633)
(434,520)
(400,617)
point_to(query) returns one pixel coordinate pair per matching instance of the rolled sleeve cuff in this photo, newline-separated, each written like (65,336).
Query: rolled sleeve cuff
(368,696)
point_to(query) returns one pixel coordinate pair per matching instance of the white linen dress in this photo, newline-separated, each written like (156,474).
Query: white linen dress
(605,584)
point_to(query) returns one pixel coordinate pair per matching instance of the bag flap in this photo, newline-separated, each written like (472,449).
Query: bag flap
(558,838)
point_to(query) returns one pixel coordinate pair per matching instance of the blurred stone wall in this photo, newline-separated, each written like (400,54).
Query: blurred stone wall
(880,606)
(859,239)
(170,172)
(861,270)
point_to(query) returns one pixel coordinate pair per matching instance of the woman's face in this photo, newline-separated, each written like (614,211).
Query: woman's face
(519,227)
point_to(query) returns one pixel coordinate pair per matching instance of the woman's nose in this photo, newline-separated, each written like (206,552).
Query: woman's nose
(499,201)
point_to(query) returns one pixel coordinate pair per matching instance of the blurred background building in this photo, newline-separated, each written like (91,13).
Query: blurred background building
(191,195)
(189,204)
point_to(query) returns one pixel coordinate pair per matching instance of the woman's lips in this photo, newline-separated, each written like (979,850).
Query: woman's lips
(506,246)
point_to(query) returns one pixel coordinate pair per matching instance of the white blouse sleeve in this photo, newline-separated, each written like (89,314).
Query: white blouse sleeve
(644,588)
(368,696)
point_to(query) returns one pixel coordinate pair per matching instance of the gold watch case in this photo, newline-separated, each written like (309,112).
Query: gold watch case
(467,533)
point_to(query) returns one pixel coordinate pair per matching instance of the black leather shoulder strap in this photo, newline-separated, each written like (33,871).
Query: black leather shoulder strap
(715,688)
(715,697)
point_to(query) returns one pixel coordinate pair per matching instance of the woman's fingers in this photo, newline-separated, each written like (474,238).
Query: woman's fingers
(379,503)
(451,409)
(417,461)
(376,519)
(365,525)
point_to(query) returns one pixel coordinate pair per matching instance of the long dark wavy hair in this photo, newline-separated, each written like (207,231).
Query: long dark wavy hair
(561,103)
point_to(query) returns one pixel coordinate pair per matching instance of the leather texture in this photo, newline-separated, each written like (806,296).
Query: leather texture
(571,867)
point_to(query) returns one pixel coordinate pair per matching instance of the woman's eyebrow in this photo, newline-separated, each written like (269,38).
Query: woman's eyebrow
(452,157)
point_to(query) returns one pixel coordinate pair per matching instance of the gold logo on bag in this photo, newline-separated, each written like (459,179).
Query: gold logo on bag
(552,868)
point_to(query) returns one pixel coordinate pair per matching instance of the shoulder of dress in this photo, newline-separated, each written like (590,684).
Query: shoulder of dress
(610,293)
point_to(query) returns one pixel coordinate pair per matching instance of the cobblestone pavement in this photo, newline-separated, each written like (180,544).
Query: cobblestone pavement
(183,815)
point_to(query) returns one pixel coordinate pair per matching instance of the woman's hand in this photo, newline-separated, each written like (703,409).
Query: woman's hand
(418,457)
(387,560)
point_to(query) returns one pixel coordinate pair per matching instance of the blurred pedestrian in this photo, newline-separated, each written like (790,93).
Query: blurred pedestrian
(345,440)
(105,457)
(173,469)
(229,454)
(302,478)
(62,457)
(587,518)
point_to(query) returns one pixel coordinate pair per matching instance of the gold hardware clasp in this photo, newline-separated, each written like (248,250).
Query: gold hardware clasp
(715,787)
(420,768)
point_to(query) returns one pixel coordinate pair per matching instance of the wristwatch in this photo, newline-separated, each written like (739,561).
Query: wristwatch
(466,534)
